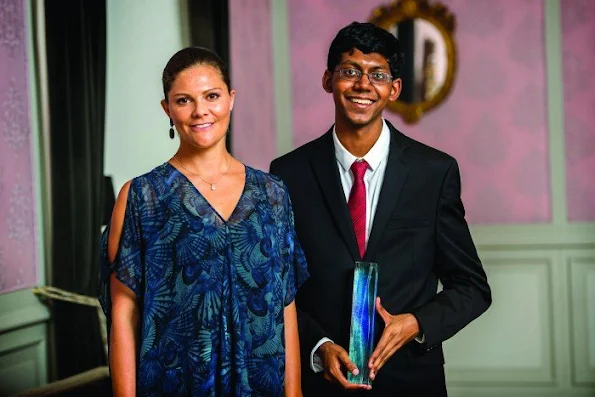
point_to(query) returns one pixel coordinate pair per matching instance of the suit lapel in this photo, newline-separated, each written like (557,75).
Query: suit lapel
(397,169)
(325,168)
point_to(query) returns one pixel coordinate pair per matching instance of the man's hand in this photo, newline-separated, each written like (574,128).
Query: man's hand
(399,329)
(335,359)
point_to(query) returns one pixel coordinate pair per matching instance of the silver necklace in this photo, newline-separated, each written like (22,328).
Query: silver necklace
(213,184)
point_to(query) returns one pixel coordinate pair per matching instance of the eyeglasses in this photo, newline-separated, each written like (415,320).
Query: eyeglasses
(355,75)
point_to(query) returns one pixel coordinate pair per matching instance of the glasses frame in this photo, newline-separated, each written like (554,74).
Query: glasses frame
(360,74)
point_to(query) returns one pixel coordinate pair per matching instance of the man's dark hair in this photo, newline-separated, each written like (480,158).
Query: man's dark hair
(367,38)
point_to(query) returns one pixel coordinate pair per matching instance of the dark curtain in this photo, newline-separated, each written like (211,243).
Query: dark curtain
(76,55)
(209,28)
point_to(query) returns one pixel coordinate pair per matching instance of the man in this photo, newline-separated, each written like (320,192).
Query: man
(411,223)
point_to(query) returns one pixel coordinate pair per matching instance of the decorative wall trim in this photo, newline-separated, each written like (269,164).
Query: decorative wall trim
(581,276)
(536,236)
(486,373)
(282,75)
(40,133)
(21,308)
(500,391)
(555,107)
(22,359)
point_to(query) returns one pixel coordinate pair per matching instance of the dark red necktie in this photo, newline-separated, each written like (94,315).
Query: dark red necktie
(357,204)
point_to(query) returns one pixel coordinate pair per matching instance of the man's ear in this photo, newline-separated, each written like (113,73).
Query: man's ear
(395,89)
(327,81)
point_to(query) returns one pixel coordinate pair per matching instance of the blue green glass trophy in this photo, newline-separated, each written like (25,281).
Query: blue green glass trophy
(363,313)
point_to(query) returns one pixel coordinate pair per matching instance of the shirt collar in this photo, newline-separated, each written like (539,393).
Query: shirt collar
(375,155)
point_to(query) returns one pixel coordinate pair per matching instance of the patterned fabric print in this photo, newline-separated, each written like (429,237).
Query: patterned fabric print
(212,292)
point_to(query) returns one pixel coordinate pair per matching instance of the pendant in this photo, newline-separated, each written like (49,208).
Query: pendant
(213,187)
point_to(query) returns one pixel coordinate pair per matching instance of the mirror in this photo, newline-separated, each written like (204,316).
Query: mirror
(426,35)
(424,71)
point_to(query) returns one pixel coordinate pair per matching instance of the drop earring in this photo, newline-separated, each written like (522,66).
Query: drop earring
(171,129)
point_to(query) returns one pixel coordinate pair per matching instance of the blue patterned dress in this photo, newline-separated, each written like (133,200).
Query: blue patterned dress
(211,292)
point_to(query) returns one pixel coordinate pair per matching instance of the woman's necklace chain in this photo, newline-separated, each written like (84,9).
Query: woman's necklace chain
(213,184)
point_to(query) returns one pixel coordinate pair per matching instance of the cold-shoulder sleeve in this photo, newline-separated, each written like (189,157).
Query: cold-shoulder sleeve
(128,263)
(295,269)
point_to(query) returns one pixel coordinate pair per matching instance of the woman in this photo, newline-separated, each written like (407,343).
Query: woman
(201,262)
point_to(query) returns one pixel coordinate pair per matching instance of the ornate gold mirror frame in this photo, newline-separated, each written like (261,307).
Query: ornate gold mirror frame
(440,17)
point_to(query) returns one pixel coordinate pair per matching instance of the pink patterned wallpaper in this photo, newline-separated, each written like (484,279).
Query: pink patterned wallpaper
(254,138)
(494,122)
(578,48)
(18,262)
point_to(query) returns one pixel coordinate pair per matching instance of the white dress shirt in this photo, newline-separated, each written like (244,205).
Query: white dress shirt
(376,158)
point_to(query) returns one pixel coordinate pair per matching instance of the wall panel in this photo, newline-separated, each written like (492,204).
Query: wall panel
(582,277)
(22,359)
(512,343)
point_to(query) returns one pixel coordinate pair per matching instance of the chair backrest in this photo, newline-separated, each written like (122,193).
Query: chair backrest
(50,292)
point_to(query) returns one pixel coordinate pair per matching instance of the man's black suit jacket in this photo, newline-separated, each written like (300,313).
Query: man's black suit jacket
(419,236)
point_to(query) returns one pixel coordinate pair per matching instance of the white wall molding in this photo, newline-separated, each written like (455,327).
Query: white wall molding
(282,75)
(555,102)
(21,308)
(581,269)
(22,359)
(499,391)
(520,320)
(548,236)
